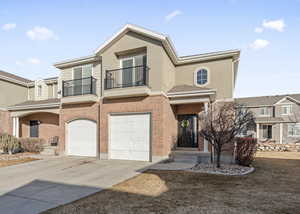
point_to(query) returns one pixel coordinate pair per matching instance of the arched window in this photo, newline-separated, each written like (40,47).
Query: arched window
(202,76)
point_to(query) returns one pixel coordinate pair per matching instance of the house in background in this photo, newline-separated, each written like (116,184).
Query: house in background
(27,106)
(134,98)
(277,117)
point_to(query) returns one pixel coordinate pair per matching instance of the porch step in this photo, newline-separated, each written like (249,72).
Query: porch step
(193,156)
(49,150)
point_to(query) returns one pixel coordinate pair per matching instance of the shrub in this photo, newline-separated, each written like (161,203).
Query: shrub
(31,144)
(9,143)
(245,150)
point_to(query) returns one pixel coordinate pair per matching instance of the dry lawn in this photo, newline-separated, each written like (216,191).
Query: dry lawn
(4,163)
(273,188)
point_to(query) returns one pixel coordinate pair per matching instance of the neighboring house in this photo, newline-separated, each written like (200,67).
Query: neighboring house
(13,90)
(133,99)
(277,117)
(21,101)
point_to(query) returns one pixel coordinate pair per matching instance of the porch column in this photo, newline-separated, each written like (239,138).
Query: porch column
(16,126)
(280,133)
(205,149)
(257,131)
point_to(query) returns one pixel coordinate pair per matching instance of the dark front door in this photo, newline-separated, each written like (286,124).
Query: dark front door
(34,128)
(187,131)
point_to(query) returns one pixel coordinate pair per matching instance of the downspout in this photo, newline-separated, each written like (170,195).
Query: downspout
(99,111)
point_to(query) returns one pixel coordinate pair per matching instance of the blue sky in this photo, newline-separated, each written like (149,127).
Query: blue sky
(36,34)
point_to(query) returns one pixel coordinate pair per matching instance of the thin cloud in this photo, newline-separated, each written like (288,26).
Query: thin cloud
(277,25)
(9,26)
(19,63)
(259,44)
(34,61)
(41,33)
(172,15)
(258,30)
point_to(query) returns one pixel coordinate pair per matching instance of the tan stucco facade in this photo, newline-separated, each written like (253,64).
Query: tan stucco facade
(12,93)
(165,72)
(220,76)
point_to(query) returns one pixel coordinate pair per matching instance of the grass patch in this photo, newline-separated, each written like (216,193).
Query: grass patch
(273,188)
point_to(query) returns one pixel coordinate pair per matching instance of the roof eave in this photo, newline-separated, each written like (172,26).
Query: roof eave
(35,106)
(77,61)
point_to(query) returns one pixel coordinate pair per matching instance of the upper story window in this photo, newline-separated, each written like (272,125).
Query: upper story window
(294,130)
(264,111)
(286,109)
(81,72)
(133,71)
(201,76)
(40,90)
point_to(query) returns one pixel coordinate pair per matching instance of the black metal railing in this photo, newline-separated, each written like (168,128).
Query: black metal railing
(126,77)
(79,87)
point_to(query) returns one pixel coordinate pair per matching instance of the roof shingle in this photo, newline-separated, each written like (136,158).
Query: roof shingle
(37,102)
(15,77)
(265,100)
(182,88)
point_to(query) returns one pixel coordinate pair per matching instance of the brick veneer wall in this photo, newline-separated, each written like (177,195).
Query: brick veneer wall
(163,115)
(48,127)
(73,112)
(5,122)
(163,127)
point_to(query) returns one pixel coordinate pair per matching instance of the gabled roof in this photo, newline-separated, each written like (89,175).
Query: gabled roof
(14,78)
(267,100)
(168,45)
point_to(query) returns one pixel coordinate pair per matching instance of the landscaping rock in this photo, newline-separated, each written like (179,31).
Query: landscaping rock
(272,147)
(225,169)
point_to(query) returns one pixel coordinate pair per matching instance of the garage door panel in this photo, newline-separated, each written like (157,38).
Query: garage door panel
(82,138)
(130,137)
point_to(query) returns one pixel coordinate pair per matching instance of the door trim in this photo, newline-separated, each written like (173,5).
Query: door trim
(66,152)
(125,114)
(196,134)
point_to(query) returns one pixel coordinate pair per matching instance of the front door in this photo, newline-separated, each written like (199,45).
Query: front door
(34,128)
(187,130)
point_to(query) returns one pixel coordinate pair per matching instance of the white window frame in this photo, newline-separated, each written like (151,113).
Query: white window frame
(82,66)
(293,125)
(266,111)
(121,59)
(39,90)
(285,106)
(195,76)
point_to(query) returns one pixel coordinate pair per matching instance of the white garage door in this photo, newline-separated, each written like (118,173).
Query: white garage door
(130,137)
(82,138)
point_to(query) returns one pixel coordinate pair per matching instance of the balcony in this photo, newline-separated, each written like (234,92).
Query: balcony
(79,90)
(127,82)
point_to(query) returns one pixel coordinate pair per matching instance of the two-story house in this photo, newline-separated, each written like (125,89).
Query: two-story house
(22,106)
(277,117)
(134,98)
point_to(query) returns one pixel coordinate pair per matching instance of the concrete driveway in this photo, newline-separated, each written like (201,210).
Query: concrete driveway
(39,185)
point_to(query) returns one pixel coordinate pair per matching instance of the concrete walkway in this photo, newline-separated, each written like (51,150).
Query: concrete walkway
(39,185)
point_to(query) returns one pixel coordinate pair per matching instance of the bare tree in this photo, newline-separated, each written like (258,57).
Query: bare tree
(222,123)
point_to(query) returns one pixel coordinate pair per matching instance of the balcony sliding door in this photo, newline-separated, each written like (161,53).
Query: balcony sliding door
(82,81)
(77,77)
(133,71)
(140,70)
(127,74)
